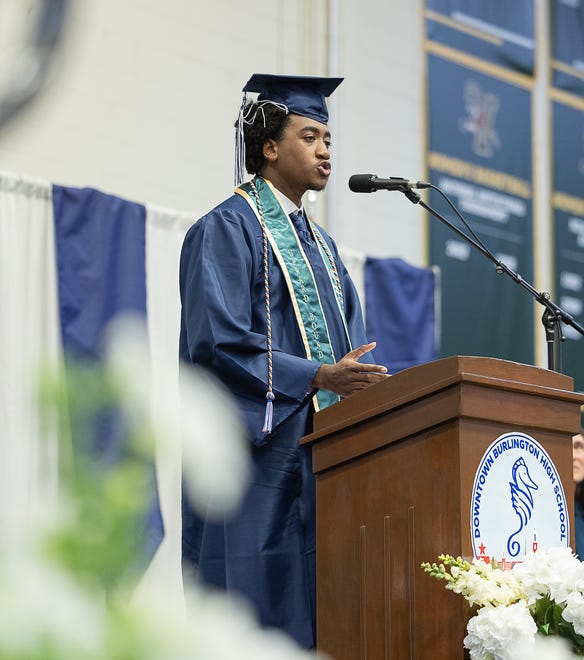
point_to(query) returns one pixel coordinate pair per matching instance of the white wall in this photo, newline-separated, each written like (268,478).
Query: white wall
(381,124)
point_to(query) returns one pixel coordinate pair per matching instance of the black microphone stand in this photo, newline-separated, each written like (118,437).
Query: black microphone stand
(553,315)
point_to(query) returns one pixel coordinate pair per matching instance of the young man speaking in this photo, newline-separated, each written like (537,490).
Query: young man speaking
(269,308)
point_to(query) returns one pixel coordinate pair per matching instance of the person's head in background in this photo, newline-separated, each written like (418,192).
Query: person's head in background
(578,477)
(578,457)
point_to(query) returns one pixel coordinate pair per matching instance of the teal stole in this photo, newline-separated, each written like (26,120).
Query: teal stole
(299,277)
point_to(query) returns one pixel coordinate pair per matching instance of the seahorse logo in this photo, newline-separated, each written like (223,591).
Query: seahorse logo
(521,500)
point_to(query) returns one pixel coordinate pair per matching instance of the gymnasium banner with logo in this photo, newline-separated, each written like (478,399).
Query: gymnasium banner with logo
(479,155)
(498,31)
(568,210)
(568,45)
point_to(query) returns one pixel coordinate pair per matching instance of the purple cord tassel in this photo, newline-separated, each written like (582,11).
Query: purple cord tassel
(269,413)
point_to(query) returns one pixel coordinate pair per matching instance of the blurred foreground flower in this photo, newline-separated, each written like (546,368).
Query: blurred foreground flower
(66,592)
(193,408)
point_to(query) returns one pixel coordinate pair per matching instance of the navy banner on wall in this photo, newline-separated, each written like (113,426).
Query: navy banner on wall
(568,206)
(568,45)
(480,156)
(498,31)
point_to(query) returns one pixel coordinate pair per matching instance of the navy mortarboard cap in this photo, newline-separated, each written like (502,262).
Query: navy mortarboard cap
(297,95)
(302,95)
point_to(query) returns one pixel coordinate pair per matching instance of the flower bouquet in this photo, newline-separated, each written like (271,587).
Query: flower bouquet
(543,596)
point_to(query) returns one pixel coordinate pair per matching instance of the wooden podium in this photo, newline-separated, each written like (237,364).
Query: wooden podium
(394,468)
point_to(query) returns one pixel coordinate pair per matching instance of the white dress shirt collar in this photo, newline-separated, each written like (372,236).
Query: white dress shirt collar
(288,204)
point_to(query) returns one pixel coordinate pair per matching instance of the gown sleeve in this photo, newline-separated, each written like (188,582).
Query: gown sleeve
(223,324)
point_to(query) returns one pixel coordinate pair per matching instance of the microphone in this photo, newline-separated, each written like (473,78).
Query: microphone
(368,183)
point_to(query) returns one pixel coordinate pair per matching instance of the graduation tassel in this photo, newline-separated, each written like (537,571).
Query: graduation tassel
(239,174)
(269,413)
(247,115)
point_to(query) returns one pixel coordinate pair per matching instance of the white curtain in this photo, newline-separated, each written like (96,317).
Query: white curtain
(29,338)
(165,231)
(355,264)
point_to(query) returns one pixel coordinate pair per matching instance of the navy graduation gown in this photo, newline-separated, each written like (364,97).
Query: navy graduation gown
(265,551)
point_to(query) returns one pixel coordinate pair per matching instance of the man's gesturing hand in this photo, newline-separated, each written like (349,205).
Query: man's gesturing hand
(348,375)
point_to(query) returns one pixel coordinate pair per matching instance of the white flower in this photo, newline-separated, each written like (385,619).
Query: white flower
(500,633)
(555,573)
(215,453)
(40,604)
(482,584)
(574,611)
(213,627)
(191,414)
(42,608)
(548,648)
(128,360)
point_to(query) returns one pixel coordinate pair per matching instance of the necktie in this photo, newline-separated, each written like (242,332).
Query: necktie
(301,227)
